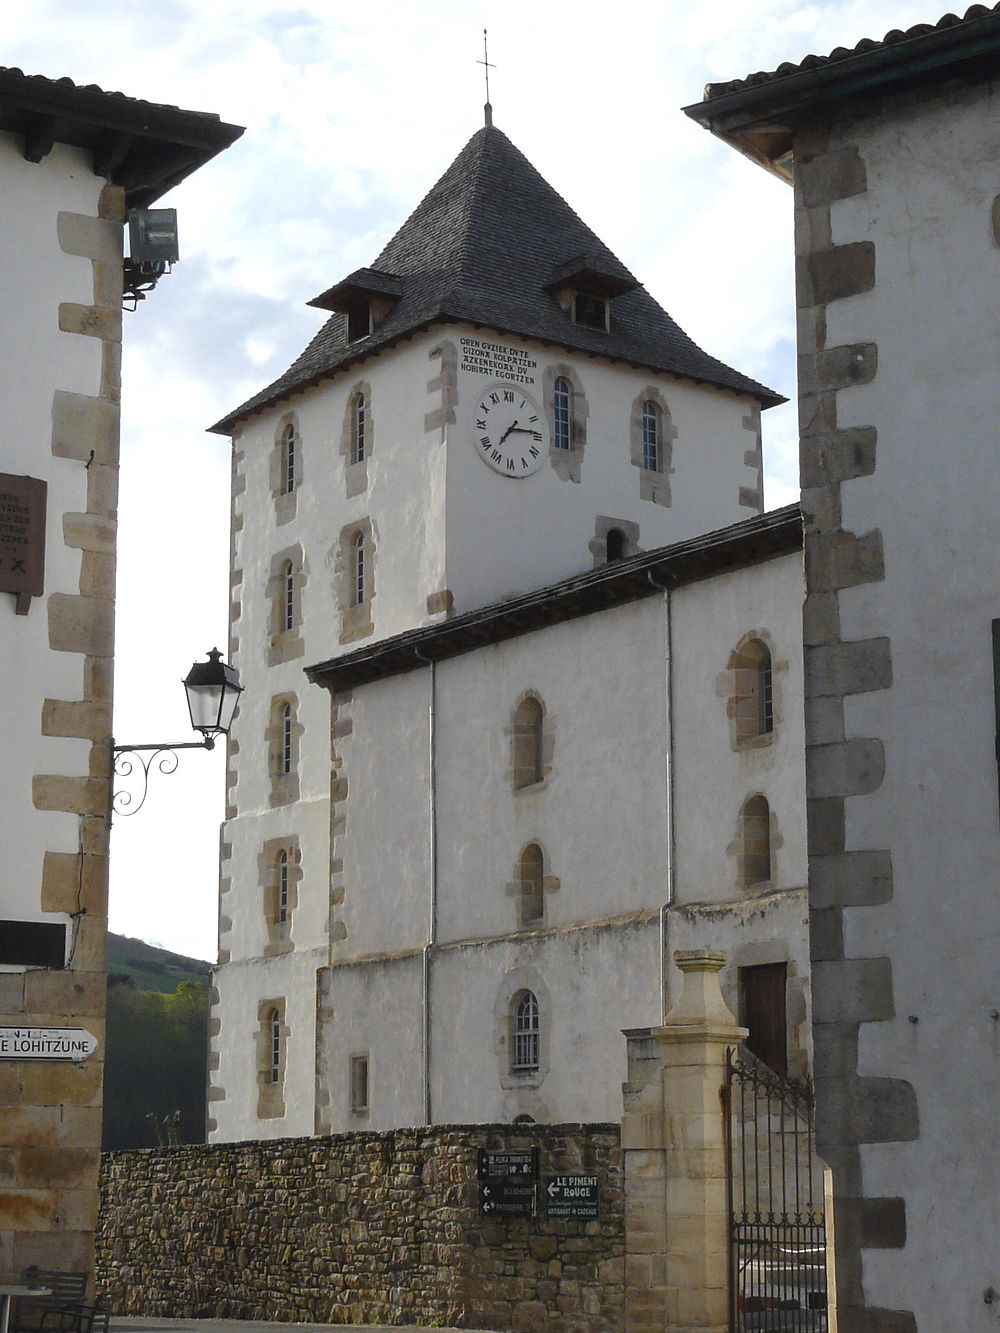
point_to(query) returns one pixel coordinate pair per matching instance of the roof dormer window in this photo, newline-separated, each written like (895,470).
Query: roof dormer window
(591,311)
(359,320)
(586,285)
(364,299)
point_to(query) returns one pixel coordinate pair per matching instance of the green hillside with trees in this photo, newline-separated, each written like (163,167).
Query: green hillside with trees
(156,1047)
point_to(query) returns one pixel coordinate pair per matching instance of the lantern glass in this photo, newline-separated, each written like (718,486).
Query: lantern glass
(213,690)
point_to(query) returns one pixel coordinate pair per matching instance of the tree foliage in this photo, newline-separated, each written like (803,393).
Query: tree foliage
(156,1056)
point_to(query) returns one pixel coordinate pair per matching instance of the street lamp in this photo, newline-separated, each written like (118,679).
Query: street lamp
(213,689)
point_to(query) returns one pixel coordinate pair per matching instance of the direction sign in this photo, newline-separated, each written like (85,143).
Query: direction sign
(508,1183)
(572,1196)
(46,1043)
(508,1163)
(507,1196)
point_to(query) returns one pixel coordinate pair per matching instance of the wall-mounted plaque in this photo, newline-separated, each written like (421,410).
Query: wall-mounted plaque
(22,538)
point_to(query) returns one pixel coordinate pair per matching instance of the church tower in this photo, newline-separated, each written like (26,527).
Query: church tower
(494,406)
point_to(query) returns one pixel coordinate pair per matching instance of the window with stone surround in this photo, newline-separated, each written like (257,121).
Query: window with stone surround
(284,594)
(750,687)
(525,1033)
(272,1041)
(280,872)
(357,437)
(651,439)
(532,876)
(355,574)
(282,737)
(756,816)
(286,466)
(529,742)
(522,1014)
(532,738)
(566,407)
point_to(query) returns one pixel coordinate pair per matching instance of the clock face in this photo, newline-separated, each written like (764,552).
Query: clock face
(510,433)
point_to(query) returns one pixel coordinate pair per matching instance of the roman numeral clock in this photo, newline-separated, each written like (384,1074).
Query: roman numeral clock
(509,431)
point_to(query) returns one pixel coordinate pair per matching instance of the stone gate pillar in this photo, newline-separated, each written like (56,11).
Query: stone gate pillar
(673,1136)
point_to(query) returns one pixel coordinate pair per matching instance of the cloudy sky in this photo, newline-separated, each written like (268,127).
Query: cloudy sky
(352,111)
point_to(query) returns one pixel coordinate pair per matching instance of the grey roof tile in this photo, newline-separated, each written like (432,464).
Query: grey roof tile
(482,247)
(866,47)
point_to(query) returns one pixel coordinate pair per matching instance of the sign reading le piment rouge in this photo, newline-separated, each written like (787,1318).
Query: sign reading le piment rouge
(46,1043)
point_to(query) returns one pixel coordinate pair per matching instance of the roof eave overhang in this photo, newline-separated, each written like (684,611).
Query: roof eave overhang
(143,147)
(368,347)
(742,544)
(758,120)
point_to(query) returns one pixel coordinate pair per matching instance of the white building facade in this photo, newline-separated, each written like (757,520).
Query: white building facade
(894,145)
(72,162)
(416,503)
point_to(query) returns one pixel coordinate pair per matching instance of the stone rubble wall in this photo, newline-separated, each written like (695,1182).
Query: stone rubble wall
(380,1228)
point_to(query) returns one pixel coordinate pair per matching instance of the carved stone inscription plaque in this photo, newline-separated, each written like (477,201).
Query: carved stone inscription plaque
(22,538)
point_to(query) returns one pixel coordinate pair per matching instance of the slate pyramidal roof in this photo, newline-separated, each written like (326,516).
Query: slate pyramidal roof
(486,246)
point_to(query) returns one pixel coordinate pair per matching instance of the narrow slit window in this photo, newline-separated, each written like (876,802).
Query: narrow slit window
(532,876)
(286,739)
(274,1030)
(529,743)
(562,412)
(289,459)
(756,841)
(614,544)
(359,568)
(359,427)
(287,596)
(282,887)
(359,1084)
(651,436)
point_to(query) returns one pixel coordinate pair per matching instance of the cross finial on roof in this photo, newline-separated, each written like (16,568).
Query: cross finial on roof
(485,62)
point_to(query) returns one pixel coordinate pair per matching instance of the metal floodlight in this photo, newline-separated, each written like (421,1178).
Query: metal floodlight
(152,236)
(213,689)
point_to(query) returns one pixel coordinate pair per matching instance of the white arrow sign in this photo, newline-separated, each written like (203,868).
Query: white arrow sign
(46,1043)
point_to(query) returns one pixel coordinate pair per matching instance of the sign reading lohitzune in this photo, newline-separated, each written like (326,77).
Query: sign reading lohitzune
(46,1043)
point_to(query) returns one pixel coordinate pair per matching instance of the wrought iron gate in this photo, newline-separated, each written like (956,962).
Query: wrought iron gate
(777,1250)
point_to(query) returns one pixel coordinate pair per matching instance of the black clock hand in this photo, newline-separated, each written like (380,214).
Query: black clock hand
(510,429)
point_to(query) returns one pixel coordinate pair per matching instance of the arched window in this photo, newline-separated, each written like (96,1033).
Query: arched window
(525,1033)
(359,590)
(562,412)
(531,871)
(286,740)
(756,840)
(282,886)
(287,595)
(753,690)
(615,544)
(529,743)
(651,436)
(289,460)
(359,426)
(274,1036)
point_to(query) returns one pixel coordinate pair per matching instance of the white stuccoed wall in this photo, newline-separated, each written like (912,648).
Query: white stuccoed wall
(441,519)
(600,817)
(711,780)
(935,401)
(36,358)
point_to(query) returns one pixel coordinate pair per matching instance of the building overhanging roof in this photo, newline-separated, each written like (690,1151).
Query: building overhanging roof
(735,547)
(144,147)
(757,115)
